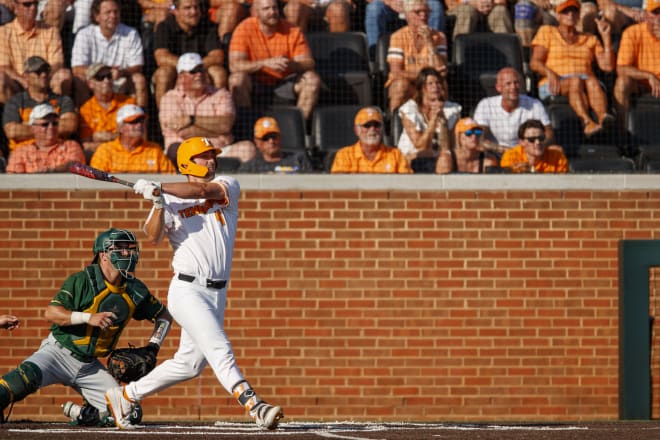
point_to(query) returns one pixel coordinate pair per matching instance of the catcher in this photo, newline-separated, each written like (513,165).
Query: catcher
(88,315)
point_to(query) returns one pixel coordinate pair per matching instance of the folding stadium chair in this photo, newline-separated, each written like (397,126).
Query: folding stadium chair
(292,127)
(602,166)
(342,61)
(476,59)
(332,127)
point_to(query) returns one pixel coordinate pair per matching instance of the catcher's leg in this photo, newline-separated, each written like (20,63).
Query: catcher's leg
(17,384)
(87,415)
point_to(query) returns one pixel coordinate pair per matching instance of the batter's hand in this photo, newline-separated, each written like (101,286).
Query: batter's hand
(102,320)
(150,191)
(9,322)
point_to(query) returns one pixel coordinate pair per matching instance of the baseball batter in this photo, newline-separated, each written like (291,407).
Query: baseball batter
(88,315)
(199,217)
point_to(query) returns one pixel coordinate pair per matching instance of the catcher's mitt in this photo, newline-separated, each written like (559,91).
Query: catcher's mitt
(129,364)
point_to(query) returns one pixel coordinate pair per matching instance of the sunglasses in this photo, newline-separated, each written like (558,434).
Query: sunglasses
(421,11)
(47,123)
(198,69)
(474,131)
(372,125)
(533,139)
(41,71)
(270,136)
(571,10)
(102,76)
(29,4)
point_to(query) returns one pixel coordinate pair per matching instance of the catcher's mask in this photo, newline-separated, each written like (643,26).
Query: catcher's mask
(122,247)
(191,148)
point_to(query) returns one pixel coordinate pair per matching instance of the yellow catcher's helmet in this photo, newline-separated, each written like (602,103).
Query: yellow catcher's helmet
(191,148)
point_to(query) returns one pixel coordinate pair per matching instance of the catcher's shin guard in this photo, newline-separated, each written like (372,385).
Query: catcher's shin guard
(17,384)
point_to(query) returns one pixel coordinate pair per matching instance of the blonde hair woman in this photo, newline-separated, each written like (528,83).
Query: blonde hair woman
(468,155)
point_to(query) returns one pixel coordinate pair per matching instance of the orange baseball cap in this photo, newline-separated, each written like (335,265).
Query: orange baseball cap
(368,114)
(264,126)
(464,125)
(563,4)
(652,5)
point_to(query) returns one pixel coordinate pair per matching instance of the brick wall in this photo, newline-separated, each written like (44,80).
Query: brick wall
(369,304)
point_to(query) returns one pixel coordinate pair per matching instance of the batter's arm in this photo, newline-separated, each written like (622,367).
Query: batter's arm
(197,190)
(64,317)
(154,227)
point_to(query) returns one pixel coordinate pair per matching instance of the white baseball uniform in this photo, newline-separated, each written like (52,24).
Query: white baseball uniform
(202,234)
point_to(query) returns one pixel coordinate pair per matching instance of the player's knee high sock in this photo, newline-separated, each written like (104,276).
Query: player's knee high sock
(15,385)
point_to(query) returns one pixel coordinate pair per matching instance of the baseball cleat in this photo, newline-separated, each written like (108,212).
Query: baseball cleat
(120,407)
(71,410)
(266,416)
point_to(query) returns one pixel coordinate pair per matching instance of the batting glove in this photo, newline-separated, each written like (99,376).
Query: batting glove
(150,191)
(140,187)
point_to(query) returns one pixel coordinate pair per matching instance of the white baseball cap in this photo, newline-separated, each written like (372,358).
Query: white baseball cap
(129,113)
(41,111)
(188,61)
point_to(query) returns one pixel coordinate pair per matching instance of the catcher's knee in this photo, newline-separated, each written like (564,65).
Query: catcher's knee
(17,384)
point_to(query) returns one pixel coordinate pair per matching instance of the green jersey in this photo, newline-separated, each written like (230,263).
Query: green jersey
(89,292)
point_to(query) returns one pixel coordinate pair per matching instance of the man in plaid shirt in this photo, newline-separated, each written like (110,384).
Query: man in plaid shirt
(48,153)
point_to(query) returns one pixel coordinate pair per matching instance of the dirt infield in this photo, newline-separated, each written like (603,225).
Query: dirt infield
(642,430)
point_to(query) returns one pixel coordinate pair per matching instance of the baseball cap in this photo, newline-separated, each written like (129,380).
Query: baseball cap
(188,61)
(368,114)
(41,111)
(465,124)
(129,113)
(652,5)
(35,64)
(560,5)
(94,69)
(264,126)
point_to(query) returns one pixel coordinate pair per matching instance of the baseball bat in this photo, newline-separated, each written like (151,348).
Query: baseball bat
(94,173)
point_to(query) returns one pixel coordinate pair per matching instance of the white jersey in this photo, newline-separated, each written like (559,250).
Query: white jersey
(504,125)
(202,232)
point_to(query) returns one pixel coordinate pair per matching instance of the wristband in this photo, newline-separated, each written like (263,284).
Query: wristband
(161,329)
(80,318)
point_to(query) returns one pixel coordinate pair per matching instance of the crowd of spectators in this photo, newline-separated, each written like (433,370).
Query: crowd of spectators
(75,75)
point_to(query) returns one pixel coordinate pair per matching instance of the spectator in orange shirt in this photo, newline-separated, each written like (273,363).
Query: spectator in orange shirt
(17,110)
(638,61)
(532,155)
(47,154)
(412,48)
(268,56)
(130,152)
(369,154)
(24,37)
(563,57)
(99,113)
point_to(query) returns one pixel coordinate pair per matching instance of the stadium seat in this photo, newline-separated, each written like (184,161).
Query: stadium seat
(381,70)
(567,128)
(342,61)
(228,164)
(598,151)
(423,165)
(652,166)
(602,166)
(292,127)
(396,128)
(643,125)
(476,59)
(332,127)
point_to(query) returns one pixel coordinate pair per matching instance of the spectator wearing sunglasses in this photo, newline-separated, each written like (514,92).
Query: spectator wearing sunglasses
(271,158)
(47,153)
(99,113)
(17,110)
(195,108)
(502,114)
(468,155)
(369,154)
(131,152)
(24,37)
(532,155)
